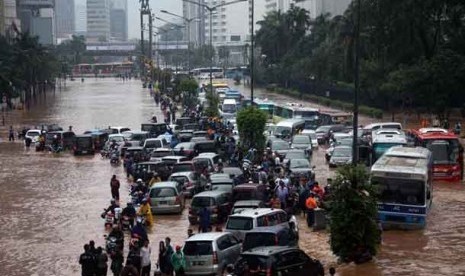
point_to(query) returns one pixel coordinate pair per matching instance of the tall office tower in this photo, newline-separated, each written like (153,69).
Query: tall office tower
(65,18)
(38,18)
(119,20)
(98,20)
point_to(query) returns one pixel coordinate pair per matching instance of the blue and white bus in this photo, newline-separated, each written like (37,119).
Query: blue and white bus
(403,177)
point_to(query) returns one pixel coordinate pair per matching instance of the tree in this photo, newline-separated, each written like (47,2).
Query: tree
(354,232)
(189,89)
(251,123)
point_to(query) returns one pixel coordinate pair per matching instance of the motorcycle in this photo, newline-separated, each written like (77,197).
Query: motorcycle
(113,244)
(114,159)
(109,219)
(126,223)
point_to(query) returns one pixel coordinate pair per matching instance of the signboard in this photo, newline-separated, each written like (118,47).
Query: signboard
(111,47)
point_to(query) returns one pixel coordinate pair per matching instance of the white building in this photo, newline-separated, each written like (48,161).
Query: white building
(317,7)
(64,10)
(8,16)
(81,19)
(38,18)
(98,20)
(196,27)
(119,20)
(278,5)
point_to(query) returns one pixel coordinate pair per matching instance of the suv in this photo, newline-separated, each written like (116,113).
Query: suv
(246,220)
(218,202)
(247,204)
(278,235)
(278,260)
(210,253)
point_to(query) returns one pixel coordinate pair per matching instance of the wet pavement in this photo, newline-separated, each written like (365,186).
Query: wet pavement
(51,204)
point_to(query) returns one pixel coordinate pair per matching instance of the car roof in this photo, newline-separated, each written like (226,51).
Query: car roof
(182,173)
(296,150)
(134,148)
(247,202)
(34,130)
(210,194)
(269,229)
(207,154)
(83,136)
(255,212)
(115,135)
(210,236)
(268,250)
(177,157)
(164,184)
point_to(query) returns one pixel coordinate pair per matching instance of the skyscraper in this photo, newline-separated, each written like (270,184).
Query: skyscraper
(119,20)
(81,19)
(38,18)
(197,26)
(98,20)
(64,10)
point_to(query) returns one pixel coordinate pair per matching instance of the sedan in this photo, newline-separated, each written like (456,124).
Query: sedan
(302,142)
(341,155)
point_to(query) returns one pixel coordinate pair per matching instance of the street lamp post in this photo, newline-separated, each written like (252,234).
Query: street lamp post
(188,21)
(356,86)
(210,10)
(252,54)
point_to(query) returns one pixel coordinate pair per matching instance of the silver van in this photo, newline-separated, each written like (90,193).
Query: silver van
(210,253)
(166,198)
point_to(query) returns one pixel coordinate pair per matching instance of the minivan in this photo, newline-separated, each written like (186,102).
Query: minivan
(246,220)
(277,235)
(166,198)
(210,253)
(289,127)
(217,202)
(83,144)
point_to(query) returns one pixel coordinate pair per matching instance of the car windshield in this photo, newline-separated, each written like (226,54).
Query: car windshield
(345,141)
(380,148)
(184,146)
(198,248)
(279,145)
(32,133)
(299,164)
(180,179)
(253,240)
(182,168)
(444,151)
(201,201)
(239,223)
(400,191)
(160,153)
(295,155)
(301,140)
(153,144)
(84,142)
(162,192)
(117,139)
(323,129)
(283,130)
(342,152)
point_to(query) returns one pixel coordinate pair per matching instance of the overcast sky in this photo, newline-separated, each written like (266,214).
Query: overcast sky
(174,6)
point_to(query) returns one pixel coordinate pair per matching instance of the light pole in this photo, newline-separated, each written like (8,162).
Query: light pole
(188,21)
(210,10)
(356,86)
(252,53)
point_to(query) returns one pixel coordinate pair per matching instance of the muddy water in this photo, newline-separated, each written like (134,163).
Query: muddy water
(50,205)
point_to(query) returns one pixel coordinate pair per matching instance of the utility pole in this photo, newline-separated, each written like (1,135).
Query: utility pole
(145,10)
(252,53)
(356,86)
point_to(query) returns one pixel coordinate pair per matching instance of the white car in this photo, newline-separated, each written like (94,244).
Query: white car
(33,134)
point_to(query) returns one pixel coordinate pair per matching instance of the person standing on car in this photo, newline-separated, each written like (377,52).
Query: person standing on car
(114,185)
(87,262)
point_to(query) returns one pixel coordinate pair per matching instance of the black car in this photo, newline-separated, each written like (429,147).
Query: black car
(278,260)
(83,144)
(143,170)
(205,146)
(278,235)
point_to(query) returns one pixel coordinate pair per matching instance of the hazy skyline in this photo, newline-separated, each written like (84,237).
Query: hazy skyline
(174,6)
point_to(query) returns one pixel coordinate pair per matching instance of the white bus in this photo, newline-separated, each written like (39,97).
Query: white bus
(204,73)
(384,139)
(403,177)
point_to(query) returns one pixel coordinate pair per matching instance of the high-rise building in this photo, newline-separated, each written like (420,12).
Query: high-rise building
(196,27)
(278,5)
(119,20)
(8,17)
(98,20)
(38,18)
(64,10)
(81,19)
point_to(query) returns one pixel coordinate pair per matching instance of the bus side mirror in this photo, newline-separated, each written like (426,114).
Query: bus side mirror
(428,195)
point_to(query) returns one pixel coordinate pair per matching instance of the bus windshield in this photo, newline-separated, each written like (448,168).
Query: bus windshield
(445,152)
(400,191)
(305,113)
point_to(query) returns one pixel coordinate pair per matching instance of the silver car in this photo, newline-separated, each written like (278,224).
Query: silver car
(210,253)
(166,198)
(342,155)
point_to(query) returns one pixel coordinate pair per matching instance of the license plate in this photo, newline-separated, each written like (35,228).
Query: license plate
(198,263)
(84,151)
(163,202)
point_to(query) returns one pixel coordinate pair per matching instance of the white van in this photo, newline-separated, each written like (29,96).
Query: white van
(229,106)
(289,127)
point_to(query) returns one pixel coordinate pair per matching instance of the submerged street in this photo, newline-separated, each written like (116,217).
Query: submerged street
(51,205)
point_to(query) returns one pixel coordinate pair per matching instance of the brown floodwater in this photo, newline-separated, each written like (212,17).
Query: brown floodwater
(51,204)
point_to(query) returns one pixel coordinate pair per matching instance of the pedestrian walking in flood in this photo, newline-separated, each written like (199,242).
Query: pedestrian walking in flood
(114,184)
(11,134)
(117,260)
(179,261)
(87,262)
(102,262)
(145,253)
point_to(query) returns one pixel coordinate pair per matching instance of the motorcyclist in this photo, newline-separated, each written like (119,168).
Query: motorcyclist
(146,211)
(130,212)
(118,234)
(112,207)
(140,187)
(113,145)
(139,231)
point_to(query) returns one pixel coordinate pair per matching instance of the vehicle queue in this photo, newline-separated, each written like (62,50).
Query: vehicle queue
(255,197)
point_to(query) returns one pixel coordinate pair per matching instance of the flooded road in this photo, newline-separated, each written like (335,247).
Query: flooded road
(50,205)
